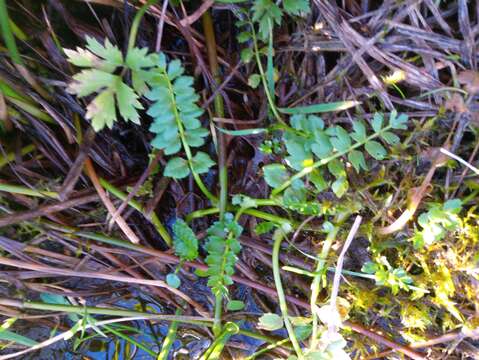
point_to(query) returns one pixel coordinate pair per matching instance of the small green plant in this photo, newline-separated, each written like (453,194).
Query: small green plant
(310,146)
(437,222)
(222,246)
(185,244)
(386,275)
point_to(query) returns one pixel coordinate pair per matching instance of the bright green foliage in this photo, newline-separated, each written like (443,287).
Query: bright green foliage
(184,241)
(296,7)
(235,305)
(386,275)
(173,280)
(275,174)
(176,118)
(296,198)
(102,63)
(174,110)
(437,222)
(266,13)
(270,322)
(309,143)
(264,227)
(222,247)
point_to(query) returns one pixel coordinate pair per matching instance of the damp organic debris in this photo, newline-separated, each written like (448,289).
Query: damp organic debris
(239,179)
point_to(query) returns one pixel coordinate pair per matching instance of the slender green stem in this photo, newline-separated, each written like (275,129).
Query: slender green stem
(91,310)
(219,110)
(201,213)
(263,77)
(136,23)
(316,283)
(8,35)
(153,218)
(130,340)
(218,313)
(216,348)
(267,216)
(22,190)
(169,339)
(277,238)
(214,210)
(324,161)
(267,348)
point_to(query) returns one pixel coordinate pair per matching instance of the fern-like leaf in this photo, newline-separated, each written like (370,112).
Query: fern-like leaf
(175,116)
(184,241)
(222,247)
(100,63)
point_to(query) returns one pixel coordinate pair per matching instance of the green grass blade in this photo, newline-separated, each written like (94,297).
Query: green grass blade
(8,35)
(7,335)
(320,108)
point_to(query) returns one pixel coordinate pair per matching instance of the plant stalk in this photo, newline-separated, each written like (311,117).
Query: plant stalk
(219,110)
(277,238)
(136,23)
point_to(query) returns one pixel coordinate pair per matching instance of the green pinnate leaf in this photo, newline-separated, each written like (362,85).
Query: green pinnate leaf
(322,146)
(270,322)
(266,13)
(264,227)
(90,81)
(390,138)
(128,103)
(110,53)
(202,162)
(375,149)
(341,140)
(357,160)
(184,241)
(336,167)
(175,69)
(138,59)
(398,122)
(340,186)
(359,134)
(235,305)
(377,122)
(177,168)
(275,174)
(296,7)
(222,247)
(101,111)
(174,107)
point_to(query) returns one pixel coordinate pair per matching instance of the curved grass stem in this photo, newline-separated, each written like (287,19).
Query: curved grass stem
(136,23)
(277,238)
